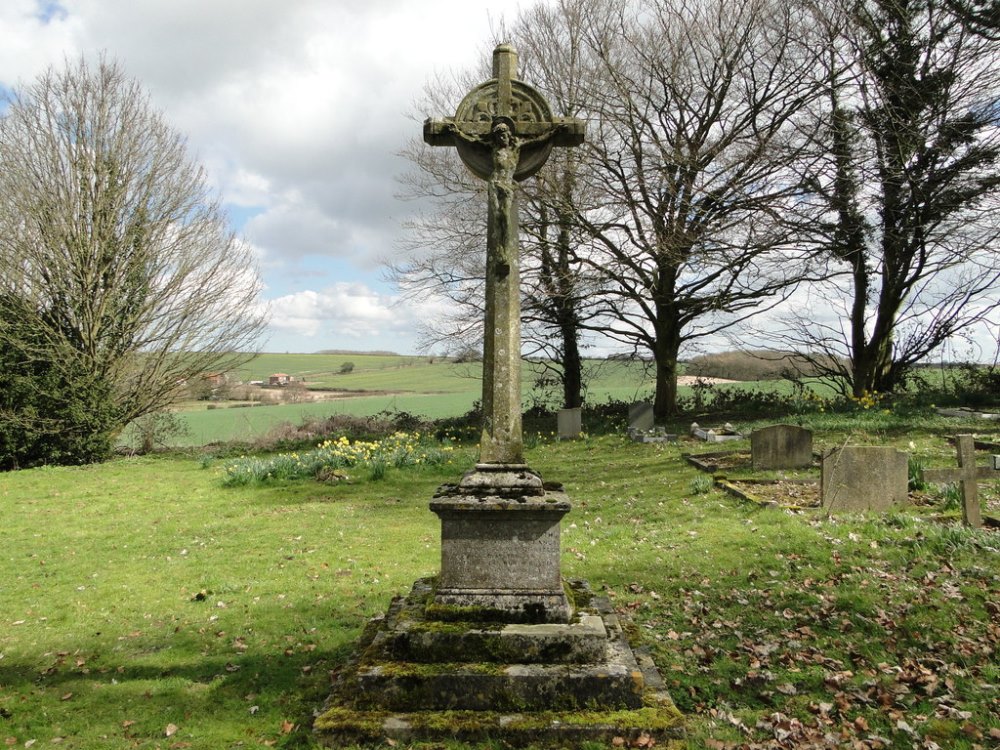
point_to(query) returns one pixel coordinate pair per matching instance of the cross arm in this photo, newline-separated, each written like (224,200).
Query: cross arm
(939,476)
(562,131)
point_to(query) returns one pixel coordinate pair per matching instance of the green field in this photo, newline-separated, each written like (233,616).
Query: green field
(429,387)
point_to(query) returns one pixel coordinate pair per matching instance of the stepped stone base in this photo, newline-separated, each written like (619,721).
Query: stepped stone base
(420,678)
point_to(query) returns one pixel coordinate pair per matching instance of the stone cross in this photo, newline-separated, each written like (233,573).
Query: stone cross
(967,475)
(504,132)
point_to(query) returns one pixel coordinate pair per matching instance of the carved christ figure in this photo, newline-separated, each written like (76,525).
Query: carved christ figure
(506,153)
(505,148)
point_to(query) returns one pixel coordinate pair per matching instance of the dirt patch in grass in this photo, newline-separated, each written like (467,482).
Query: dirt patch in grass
(784,493)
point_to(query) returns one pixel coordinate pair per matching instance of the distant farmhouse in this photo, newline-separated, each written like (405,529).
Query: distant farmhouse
(280,378)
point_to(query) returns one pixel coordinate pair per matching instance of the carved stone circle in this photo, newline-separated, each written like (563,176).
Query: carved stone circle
(481,105)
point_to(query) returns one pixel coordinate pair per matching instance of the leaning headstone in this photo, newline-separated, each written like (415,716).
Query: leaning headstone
(569,423)
(781,446)
(640,416)
(863,478)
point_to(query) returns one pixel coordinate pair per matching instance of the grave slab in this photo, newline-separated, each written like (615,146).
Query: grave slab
(863,478)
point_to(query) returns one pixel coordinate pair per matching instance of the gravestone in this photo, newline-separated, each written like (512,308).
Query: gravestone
(569,423)
(494,640)
(715,435)
(968,475)
(640,416)
(781,446)
(863,478)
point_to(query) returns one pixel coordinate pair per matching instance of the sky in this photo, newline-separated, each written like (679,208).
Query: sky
(298,110)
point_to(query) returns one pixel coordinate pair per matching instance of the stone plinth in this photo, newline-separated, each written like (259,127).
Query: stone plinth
(418,678)
(500,556)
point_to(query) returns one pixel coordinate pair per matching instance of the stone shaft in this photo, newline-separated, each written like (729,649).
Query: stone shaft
(501,441)
(504,131)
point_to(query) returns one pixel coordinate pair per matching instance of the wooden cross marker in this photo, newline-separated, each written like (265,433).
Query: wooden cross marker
(504,132)
(968,476)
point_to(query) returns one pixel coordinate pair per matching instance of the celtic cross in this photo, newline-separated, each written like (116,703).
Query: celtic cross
(504,132)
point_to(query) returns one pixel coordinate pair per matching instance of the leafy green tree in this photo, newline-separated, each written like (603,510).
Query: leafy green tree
(120,278)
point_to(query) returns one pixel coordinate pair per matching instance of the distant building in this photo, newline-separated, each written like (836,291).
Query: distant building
(280,378)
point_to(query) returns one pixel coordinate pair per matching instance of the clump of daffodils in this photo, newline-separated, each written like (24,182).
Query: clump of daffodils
(401,449)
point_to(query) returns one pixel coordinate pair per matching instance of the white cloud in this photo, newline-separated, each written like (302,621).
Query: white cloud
(30,42)
(350,311)
(296,109)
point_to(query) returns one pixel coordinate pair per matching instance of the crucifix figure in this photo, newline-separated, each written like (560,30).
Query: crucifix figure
(504,132)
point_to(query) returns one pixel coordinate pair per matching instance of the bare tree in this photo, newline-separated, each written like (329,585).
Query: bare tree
(689,170)
(981,16)
(561,291)
(907,186)
(115,258)
(444,256)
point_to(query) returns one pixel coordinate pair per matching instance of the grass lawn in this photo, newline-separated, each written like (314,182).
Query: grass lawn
(144,605)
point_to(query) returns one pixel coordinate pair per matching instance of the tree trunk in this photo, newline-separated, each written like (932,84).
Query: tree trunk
(572,368)
(665,401)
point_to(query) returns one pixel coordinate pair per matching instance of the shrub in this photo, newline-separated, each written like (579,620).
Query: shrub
(154,430)
(52,415)
(346,368)
(398,450)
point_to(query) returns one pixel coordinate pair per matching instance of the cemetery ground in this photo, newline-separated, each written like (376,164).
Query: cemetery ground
(146,605)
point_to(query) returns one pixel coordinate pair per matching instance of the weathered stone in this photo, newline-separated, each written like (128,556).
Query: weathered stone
(640,416)
(569,423)
(505,655)
(504,132)
(500,555)
(968,476)
(863,478)
(611,694)
(715,435)
(410,634)
(781,446)
(656,435)
(502,480)
(482,687)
